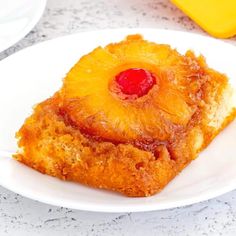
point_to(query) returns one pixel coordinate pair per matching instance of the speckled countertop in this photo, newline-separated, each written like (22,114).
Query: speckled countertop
(21,216)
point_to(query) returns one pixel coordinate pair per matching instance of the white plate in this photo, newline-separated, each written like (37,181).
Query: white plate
(17,18)
(35,73)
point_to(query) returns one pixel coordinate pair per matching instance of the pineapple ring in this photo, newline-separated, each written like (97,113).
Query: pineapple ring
(96,109)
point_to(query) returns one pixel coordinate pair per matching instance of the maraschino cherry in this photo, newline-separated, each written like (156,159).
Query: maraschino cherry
(135,81)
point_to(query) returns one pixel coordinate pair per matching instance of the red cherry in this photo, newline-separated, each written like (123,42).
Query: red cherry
(135,81)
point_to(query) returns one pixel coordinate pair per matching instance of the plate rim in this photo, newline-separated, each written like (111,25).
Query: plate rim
(28,28)
(117,209)
(133,30)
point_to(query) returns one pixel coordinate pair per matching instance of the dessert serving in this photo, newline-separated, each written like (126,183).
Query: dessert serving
(128,118)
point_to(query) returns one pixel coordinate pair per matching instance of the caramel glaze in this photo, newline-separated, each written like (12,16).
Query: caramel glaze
(145,144)
(149,145)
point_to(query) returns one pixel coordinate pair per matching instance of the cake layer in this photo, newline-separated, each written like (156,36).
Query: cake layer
(127,137)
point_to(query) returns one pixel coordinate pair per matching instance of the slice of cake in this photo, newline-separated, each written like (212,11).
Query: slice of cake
(129,117)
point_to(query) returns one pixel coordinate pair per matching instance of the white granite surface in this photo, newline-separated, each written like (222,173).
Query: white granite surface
(21,216)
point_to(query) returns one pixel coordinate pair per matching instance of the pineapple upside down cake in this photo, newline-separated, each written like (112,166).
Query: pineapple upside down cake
(129,117)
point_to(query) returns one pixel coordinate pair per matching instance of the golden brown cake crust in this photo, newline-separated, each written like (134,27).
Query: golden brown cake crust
(68,138)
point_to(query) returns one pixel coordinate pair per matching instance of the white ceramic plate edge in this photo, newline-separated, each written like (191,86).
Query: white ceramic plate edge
(27,29)
(110,208)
